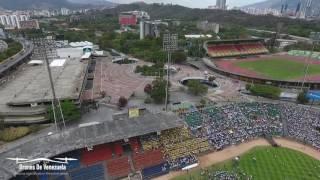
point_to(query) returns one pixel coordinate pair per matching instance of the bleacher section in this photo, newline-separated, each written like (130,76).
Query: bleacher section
(193,119)
(99,153)
(229,49)
(147,159)
(95,172)
(179,146)
(118,149)
(134,143)
(300,53)
(150,142)
(155,171)
(118,167)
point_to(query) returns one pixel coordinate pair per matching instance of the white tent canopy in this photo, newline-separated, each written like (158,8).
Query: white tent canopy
(81,44)
(35,62)
(57,63)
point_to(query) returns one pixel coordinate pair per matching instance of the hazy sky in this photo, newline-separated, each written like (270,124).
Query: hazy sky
(194,3)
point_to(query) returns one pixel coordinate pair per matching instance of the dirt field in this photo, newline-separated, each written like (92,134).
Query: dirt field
(233,151)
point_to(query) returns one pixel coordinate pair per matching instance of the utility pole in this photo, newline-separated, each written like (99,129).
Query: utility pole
(315,38)
(44,49)
(170,44)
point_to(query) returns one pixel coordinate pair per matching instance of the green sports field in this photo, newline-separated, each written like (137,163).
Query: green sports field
(280,69)
(266,163)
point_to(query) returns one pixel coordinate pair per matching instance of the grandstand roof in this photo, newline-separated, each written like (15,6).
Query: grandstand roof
(233,41)
(121,127)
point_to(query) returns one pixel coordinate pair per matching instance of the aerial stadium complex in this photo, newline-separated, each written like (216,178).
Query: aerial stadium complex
(242,136)
(249,60)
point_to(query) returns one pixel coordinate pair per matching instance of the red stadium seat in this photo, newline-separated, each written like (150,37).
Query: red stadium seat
(225,50)
(99,153)
(147,159)
(118,167)
(117,146)
(134,143)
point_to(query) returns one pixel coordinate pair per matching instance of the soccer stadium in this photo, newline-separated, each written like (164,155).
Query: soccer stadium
(167,144)
(249,60)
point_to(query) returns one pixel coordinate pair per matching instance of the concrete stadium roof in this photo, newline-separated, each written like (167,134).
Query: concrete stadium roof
(121,127)
(31,84)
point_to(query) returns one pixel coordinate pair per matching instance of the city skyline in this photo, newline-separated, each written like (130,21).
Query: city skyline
(197,4)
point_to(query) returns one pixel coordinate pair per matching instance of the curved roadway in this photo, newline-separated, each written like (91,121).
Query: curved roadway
(17,59)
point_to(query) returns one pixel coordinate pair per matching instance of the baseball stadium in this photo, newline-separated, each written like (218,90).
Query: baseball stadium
(249,60)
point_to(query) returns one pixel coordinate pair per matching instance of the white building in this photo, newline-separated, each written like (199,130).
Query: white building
(11,21)
(65,12)
(208,26)
(221,4)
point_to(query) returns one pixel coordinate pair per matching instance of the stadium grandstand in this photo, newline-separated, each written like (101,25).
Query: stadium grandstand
(231,48)
(151,153)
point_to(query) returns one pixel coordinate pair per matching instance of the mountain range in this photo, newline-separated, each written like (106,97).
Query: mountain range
(51,4)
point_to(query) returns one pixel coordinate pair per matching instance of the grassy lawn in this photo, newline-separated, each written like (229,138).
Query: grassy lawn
(270,163)
(279,68)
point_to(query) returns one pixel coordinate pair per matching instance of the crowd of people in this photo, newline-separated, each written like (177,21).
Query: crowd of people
(234,123)
(218,175)
(219,126)
(178,145)
(302,124)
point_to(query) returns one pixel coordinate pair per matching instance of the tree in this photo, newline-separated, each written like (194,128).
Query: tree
(122,102)
(196,88)
(211,78)
(158,93)
(302,98)
(267,91)
(70,112)
(179,57)
(148,88)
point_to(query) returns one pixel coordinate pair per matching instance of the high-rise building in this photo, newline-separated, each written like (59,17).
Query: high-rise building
(150,28)
(221,4)
(65,12)
(11,20)
(208,26)
(304,9)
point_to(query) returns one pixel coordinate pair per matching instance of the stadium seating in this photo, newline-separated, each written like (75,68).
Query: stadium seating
(95,172)
(179,143)
(155,171)
(98,154)
(117,147)
(193,119)
(118,167)
(147,159)
(226,50)
(134,143)
(150,142)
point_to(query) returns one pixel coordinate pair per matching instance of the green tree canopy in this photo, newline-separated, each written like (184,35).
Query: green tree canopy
(158,93)
(70,112)
(196,88)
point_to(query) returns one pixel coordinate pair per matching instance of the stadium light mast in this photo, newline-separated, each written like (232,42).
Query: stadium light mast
(315,38)
(44,49)
(170,44)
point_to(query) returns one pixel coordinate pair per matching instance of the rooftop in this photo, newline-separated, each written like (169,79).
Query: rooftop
(31,84)
(121,127)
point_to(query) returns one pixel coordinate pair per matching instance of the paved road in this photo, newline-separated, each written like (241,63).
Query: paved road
(11,62)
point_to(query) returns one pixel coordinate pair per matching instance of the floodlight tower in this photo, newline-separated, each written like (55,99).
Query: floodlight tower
(315,39)
(44,49)
(170,44)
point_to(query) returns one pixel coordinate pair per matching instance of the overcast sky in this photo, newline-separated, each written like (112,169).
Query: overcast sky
(194,3)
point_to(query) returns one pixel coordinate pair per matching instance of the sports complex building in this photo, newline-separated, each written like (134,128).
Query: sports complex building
(26,92)
(229,58)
